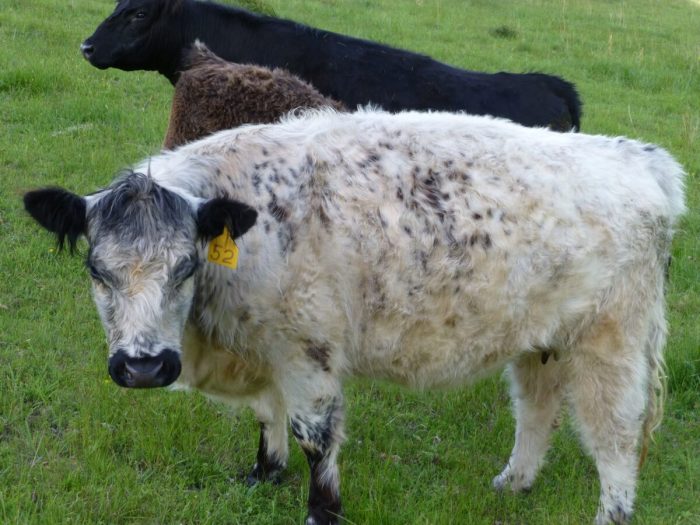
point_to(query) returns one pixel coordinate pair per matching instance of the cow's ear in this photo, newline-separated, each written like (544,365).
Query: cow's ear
(60,212)
(214,214)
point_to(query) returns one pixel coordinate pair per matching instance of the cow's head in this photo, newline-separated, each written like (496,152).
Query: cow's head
(139,34)
(145,245)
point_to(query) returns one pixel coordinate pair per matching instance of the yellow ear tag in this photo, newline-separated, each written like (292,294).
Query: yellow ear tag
(223,250)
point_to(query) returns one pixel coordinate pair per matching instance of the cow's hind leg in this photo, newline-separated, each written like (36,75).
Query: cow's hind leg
(536,391)
(608,394)
(273,448)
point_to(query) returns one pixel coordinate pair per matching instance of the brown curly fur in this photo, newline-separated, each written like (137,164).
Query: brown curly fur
(213,94)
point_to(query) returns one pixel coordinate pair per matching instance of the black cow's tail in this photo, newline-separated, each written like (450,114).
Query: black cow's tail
(566,91)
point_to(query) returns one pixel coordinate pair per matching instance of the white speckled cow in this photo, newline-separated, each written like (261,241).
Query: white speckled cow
(426,249)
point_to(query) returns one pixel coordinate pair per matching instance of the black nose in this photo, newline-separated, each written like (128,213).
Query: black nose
(144,372)
(87,49)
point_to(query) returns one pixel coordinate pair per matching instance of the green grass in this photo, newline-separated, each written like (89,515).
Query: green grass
(74,448)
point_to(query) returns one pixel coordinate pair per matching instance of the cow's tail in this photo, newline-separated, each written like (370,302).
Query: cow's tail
(656,394)
(567,92)
(669,175)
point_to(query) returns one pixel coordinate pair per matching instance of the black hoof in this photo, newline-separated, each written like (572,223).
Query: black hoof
(315,520)
(318,516)
(259,475)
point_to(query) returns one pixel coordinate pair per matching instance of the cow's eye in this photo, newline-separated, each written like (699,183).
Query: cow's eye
(94,273)
(182,280)
(140,15)
(184,271)
(99,282)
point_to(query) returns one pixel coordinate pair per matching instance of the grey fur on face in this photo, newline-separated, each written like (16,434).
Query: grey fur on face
(141,259)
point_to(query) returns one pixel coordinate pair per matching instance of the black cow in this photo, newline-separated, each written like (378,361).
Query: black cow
(155,35)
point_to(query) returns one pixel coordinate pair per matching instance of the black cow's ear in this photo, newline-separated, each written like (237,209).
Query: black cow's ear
(214,214)
(60,212)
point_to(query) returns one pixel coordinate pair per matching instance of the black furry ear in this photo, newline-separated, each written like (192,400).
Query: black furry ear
(60,212)
(214,214)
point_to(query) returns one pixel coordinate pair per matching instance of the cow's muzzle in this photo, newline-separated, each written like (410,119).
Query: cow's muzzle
(87,49)
(144,372)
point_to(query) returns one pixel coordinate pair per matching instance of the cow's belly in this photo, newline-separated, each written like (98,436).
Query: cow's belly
(432,354)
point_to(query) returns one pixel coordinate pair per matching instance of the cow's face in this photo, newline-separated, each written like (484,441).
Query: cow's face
(144,250)
(137,35)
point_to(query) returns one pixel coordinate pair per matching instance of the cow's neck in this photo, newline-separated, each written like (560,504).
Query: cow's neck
(175,43)
(245,38)
(171,71)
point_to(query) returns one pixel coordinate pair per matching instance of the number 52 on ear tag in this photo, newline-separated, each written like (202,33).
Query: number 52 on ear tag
(223,250)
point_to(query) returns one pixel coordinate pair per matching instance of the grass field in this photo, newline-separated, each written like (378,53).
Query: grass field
(75,448)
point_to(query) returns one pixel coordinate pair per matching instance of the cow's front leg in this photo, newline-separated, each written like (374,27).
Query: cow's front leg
(273,450)
(318,428)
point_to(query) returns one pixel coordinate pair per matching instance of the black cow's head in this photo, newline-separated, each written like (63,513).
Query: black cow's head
(146,242)
(139,34)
